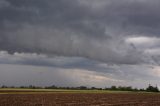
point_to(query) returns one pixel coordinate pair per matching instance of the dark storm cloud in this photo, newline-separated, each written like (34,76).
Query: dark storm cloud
(92,29)
(55,62)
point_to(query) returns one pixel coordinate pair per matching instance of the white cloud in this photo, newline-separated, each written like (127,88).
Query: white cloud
(143,41)
(153,51)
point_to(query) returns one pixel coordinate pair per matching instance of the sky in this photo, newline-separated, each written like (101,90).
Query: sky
(80,42)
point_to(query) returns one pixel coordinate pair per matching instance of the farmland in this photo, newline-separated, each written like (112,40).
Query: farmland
(27,97)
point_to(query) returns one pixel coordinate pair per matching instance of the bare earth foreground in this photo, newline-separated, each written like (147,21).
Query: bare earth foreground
(15,98)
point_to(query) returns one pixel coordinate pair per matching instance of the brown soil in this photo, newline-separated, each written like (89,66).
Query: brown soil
(77,99)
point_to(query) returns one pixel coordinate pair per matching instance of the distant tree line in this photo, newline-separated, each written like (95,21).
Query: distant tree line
(125,88)
(150,88)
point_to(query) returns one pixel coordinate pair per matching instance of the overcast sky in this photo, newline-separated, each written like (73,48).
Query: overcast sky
(80,42)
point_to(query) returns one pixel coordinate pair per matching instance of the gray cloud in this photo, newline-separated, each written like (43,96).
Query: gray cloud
(17,75)
(94,30)
(117,72)
(55,62)
(82,34)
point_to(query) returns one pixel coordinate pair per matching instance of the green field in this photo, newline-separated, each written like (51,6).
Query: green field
(34,91)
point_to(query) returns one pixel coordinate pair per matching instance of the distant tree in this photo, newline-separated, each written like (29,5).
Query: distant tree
(100,89)
(151,88)
(82,87)
(4,86)
(51,87)
(129,88)
(12,86)
(142,89)
(22,87)
(94,88)
(31,87)
(113,88)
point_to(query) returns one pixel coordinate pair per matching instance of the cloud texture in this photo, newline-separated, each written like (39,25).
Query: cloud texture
(120,33)
(90,29)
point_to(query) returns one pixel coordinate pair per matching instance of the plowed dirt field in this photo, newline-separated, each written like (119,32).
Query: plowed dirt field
(80,99)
